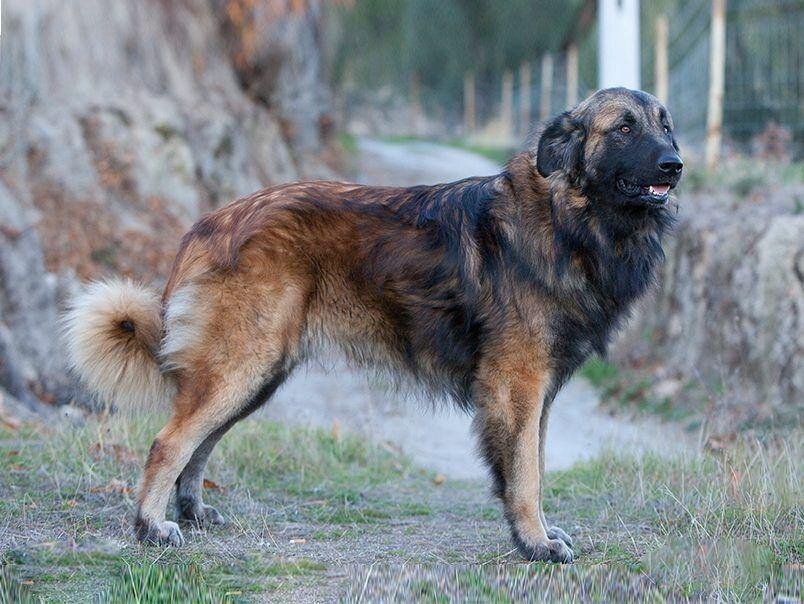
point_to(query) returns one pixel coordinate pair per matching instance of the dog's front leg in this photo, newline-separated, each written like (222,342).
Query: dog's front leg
(553,532)
(508,422)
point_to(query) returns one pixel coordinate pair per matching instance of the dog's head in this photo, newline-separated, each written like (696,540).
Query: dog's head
(617,146)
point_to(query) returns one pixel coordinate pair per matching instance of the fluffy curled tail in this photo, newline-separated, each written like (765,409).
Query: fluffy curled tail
(113,331)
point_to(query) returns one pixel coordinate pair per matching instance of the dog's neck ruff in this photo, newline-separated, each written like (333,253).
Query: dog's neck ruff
(596,257)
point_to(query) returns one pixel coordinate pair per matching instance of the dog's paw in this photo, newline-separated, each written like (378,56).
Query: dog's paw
(200,515)
(556,533)
(552,550)
(159,533)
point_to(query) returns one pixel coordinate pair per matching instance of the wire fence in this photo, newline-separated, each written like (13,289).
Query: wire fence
(764,76)
(764,62)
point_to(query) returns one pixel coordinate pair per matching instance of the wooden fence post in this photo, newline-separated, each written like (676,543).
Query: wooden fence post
(572,75)
(507,105)
(547,86)
(524,98)
(469,103)
(660,65)
(717,84)
(415,100)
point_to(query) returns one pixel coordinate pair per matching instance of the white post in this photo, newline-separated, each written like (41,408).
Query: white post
(469,107)
(660,65)
(618,34)
(507,106)
(717,84)
(524,98)
(572,75)
(547,86)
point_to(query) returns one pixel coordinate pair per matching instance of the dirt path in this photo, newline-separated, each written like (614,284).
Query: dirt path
(441,439)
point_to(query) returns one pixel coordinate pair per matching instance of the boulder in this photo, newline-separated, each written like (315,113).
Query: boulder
(728,315)
(120,123)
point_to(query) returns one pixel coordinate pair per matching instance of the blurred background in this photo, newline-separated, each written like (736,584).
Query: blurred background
(487,70)
(122,122)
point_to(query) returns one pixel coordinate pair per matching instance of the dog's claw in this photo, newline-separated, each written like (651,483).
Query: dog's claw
(553,550)
(164,533)
(202,516)
(556,533)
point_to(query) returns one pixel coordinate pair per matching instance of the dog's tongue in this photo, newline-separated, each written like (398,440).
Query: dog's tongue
(659,189)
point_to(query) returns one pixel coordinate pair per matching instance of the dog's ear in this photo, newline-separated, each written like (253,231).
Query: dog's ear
(560,146)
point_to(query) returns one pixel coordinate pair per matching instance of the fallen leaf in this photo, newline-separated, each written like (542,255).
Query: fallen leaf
(115,485)
(439,479)
(212,486)
(12,423)
(120,453)
(10,232)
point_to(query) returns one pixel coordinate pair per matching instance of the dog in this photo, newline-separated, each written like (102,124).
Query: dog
(489,291)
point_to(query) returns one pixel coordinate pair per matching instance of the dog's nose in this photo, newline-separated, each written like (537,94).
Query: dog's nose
(671,164)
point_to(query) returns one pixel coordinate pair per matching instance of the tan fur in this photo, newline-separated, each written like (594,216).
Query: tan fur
(120,366)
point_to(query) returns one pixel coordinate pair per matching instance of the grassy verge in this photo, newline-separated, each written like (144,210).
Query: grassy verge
(498,155)
(66,496)
(632,391)
(348,142)
(726,527)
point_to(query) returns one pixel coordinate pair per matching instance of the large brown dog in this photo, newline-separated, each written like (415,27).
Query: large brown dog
(490,291)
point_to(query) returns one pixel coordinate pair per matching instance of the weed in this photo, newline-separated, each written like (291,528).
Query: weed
(147,583)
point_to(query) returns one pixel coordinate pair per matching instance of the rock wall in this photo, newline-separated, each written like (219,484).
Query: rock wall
(727,323)
(120,123)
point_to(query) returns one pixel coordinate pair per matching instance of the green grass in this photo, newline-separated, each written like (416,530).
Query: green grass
(143,583)
(725,528)
(348,142)
(707,525)
(630,390)
(499,155)
(648,528)
(79,483)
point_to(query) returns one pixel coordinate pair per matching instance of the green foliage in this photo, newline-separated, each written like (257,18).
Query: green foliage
(630,390)
(146,583)
(500,155)
(12,589)
(599,372)
(381,42)
(348,142)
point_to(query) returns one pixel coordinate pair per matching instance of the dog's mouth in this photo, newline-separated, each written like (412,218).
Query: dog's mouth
(656,194)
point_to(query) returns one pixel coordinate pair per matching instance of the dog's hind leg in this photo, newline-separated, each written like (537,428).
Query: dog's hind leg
(189,486)
(204,408)
(233,340)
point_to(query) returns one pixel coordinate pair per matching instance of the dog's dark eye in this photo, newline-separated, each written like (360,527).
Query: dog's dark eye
(625,129)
